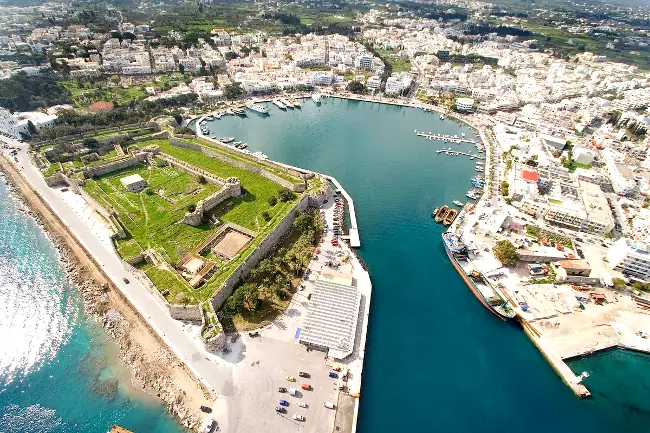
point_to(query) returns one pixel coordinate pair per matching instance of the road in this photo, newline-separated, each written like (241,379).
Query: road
(169,329)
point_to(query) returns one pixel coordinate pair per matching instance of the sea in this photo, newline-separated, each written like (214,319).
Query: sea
(436,359)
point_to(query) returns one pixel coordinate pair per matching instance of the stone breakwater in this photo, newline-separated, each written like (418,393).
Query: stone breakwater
(154,368)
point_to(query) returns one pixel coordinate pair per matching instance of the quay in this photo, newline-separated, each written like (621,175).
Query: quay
(448,138)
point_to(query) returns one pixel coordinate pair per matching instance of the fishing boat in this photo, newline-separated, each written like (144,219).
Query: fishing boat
(435,211)
(457,203)
(258,108)
(279,104)
(442,212)
(316,98)
(491,297)
(286,103)
(226,139)
(450,217)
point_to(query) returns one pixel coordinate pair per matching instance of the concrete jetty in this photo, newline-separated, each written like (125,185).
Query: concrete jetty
(449,138)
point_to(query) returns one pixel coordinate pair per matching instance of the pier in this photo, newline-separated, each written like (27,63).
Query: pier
(456,152)
(355,241)
(448,138)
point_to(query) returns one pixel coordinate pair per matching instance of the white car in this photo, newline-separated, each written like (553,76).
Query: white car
(298,417)
(302,404)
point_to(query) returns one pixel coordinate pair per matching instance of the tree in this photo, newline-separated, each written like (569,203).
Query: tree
(266,216)
(505,252)
(178,117)
(31,128)
(303,222)
(90,143)
(356,87)
(230,55)
(181,68)
(619,283)
(286,194)
(181,298)
(201,179)
(233,91)
(250,296)
(273,200)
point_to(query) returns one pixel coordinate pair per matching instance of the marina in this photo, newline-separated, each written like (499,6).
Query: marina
(451,152)
(446,138)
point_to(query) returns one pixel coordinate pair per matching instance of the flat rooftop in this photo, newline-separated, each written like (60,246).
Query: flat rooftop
(331,319)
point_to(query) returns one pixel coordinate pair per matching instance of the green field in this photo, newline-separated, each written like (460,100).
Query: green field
(154,220)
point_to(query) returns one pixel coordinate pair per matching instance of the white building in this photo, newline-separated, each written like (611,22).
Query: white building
(582,155)
(364,61)
(39,120)
(8,124)
(133,183)
(373,83)
(620,182)
(321,79)
(397,84)
(630,258)
(465,104)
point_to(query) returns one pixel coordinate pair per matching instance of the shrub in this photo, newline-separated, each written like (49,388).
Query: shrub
(181,298)
(286,195)
(191,207)
(505,252)
(266,216)
(201,179)
(273,200)
(148,191)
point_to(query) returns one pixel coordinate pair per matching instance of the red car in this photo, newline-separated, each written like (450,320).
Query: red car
(306,387)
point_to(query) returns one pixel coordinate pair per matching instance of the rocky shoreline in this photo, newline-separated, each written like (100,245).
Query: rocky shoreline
(153,367)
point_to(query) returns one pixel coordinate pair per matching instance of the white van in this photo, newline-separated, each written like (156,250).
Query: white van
(292,392)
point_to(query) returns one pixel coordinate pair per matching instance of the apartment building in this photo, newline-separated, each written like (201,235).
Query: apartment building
(8,126)
(630,257)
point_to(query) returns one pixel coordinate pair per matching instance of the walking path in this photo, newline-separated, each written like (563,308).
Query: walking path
(157,317)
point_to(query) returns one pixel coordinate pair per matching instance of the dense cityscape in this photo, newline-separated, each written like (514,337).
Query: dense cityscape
(196,250)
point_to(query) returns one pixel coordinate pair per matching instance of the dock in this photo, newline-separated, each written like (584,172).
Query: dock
(447,138)
(457,152)
(355,241)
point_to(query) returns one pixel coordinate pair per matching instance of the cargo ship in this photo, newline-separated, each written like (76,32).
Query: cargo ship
(490,296)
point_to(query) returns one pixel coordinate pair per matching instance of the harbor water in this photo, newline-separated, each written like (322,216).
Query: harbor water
(436,359)
(59,371)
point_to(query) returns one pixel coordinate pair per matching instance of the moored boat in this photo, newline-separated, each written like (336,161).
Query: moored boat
(295,103)
(258,108)
(239,111)
(457,203)
(226,139)
(286,103)
(442,213)
(450,217)
(491,297)
(435,212)
(316,98)
(279,104)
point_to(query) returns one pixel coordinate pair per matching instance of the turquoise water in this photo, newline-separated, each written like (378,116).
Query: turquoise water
(58,370)
(436,359)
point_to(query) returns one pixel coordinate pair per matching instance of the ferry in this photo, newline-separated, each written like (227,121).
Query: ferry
(279,104)
(258,108)
(226,139)
(457,203)
(442,213)
(316,98)
(286,103)
(450,217)
(490,296)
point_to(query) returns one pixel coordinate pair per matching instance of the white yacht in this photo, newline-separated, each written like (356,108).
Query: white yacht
(258,108)
(316,98)
(279,104)
(286,103)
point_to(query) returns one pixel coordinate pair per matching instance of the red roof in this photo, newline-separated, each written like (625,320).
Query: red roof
(101,106)
(528,174)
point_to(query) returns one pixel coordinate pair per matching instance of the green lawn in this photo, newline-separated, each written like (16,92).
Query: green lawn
(155,220)
(165,280)
(128,248)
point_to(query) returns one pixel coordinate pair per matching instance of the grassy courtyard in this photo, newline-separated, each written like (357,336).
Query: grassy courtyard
(153,216)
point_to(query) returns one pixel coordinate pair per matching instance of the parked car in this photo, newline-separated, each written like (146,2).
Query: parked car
(206,409)
(280,409)
(291,379)
(298,417)
(254,334)
(211,426)
(303,374)
(284,403)
(328,404)
(337,369)
(282,389)
(302,404)
(333,375)
(306,387)
(126,281)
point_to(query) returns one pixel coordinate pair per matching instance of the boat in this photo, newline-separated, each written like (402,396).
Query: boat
(462,134)
(295,103)
(226,139)
(450,217)
(442,117)
(286,103)
(239,111)
(472,195)
(279,104)
(258,108)
(241,145)
(491,297)
(236,143)
(457,203)
(435,211)
(316,98)
(260,155)
(442,212)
